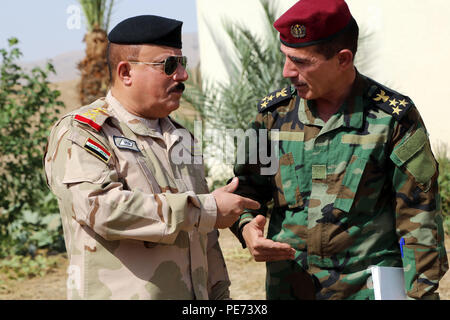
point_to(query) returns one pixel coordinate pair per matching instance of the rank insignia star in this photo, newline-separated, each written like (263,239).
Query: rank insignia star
(381,96)
(396,110)
(274,98)
(403,103)
(393,102)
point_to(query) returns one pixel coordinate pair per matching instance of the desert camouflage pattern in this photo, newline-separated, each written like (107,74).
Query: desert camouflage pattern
(346,192)
(136,225)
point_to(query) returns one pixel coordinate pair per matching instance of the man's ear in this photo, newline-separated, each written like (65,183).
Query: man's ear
(123,73)
(345,58)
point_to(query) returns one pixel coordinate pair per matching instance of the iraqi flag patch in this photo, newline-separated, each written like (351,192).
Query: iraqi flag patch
(97,150)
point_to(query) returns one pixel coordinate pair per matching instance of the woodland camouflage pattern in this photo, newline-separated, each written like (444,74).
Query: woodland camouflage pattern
(136,225)
(346,192)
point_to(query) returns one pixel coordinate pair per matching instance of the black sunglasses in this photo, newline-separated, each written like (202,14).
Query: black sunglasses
(170,63)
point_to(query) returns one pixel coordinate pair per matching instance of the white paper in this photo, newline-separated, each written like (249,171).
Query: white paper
(388,283)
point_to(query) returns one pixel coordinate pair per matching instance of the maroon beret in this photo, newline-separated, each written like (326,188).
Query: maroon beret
(310,22)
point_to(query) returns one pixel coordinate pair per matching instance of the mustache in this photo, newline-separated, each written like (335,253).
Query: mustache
(178,87)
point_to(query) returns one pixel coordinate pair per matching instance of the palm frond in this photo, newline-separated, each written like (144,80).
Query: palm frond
(108,15)
(255,71)
(97,13)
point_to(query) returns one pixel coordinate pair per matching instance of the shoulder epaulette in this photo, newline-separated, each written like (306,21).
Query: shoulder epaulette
(93,115)
(274,98)
(390,101)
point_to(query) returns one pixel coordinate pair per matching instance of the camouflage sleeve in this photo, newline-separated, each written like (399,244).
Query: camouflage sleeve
(418,212)
(95,195)
(218,280)
(252,183)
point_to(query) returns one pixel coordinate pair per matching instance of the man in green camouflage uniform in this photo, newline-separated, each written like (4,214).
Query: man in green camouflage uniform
(356,173)
(138,222)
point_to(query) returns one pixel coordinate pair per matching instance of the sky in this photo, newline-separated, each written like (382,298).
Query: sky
(46,28)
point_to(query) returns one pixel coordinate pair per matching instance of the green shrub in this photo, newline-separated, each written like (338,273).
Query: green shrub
(24,267)
(28,108)
(444,188)
(444,183)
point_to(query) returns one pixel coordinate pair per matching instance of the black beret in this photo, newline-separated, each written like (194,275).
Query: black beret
(147,29)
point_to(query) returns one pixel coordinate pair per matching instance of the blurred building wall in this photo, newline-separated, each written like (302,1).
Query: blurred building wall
(407,48)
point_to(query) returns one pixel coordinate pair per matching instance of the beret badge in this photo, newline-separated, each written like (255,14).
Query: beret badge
(298,31)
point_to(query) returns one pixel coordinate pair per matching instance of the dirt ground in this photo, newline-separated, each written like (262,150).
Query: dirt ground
(247,277)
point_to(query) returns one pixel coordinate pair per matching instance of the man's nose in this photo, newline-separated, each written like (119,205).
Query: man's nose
(289,70)
(180,74)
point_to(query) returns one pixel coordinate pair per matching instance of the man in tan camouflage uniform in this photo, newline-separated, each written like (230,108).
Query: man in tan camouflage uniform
(356,184)
(139,223)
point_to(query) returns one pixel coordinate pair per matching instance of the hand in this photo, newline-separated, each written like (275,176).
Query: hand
(229,205)
(263,249)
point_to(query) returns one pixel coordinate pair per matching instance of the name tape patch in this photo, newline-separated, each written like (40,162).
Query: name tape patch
(124,143)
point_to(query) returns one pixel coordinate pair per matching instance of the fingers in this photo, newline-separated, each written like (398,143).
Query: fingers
(238,204)
(232,186)
(263,249)
(260,221)
(270,247)
(250,204)
(275,252)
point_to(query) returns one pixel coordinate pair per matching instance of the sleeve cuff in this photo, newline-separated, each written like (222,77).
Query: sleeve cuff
(208,213)
(245,218)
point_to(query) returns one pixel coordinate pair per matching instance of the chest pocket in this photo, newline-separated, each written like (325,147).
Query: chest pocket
(292,144)
(362,173)
(352,179)
(187,159)
(153,170)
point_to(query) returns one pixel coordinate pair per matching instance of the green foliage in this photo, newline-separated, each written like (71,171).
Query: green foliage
(444,183)
(97,13)
(444,186)
(28,107)
(256,71)
(23,267)
(37,227)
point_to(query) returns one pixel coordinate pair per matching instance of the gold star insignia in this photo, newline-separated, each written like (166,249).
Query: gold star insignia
(393,102)
(270,98)
(403,103)
(381,96)
(396,110)
(264,104)
(265,99)
(281,93)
